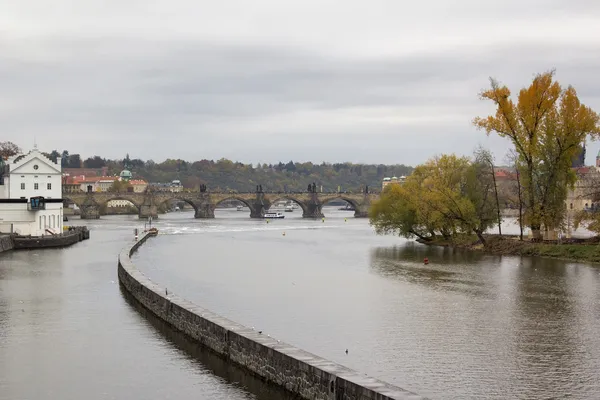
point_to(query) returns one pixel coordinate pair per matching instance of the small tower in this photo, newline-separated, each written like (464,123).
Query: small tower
(598,161)
(126,174)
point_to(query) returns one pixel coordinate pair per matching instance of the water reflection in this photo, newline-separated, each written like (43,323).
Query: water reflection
(538,318)
(448,268)
(204,358)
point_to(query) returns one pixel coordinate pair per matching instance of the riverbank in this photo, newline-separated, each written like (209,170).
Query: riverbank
(579,250)
(66,238)
(6,243)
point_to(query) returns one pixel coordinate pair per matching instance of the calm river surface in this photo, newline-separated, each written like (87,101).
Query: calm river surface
(67,332)
(466,326)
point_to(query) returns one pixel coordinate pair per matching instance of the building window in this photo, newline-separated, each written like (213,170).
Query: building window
(22,186)
(35,167)
(49,186)
(36,186)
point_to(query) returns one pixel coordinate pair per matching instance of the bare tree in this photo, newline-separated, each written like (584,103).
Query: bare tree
(513,159)
(9,149)
(486,157)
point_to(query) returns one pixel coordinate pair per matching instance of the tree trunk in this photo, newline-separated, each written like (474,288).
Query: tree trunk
(479,234)
(424,238)
(497,200)
(520,205)
(534,224)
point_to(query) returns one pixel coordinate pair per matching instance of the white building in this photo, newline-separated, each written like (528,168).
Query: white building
(28,176)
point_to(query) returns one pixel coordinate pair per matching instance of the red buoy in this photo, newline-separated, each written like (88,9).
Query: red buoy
(426,261)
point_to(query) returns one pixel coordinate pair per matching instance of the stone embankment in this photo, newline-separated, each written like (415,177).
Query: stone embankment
(67,238)
(300,372)
(6,243)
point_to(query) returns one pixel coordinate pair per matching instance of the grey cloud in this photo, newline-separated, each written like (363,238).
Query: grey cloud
(202,99)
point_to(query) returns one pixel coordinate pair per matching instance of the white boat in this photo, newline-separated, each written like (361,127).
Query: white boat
(240,208)
(289,208)
(274,215)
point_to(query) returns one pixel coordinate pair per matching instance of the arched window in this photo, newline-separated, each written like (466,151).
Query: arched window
(571,206)
(40,222)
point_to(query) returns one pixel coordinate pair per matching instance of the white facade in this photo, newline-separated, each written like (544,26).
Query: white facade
(29,176)
(33,175)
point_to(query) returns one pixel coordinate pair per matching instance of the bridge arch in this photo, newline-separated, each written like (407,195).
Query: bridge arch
(300,203)
(162,201)
(238,198)
(78,202)
(120,197)
(347,199)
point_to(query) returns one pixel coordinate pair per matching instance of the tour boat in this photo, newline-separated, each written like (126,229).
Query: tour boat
(274,215)
(240,208)
(289,208)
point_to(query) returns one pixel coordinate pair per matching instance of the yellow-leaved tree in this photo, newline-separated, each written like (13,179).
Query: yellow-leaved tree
(546,126)
(446,195)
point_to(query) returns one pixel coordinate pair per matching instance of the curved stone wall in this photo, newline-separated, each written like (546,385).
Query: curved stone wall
(303,373)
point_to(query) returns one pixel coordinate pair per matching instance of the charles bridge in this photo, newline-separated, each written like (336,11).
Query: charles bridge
(205,202)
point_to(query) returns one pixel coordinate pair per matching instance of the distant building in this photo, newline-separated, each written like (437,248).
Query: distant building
(392,180)
(174,187)
(96,183)
(31,195)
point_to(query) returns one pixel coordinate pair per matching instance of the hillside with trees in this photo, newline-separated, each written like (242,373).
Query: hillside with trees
(229,175)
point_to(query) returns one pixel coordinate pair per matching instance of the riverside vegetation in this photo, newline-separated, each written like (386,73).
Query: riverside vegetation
(451,200)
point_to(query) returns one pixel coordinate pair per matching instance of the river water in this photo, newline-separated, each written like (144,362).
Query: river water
(466,326)
(67,332)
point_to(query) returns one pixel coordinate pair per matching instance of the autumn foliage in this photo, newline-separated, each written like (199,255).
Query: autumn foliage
(547,125)
(444,196)
(8,149)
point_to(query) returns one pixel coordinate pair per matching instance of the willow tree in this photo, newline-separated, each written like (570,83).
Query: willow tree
(546,127)
(446,195)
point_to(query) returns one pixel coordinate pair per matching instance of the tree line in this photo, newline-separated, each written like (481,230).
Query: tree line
(229,175)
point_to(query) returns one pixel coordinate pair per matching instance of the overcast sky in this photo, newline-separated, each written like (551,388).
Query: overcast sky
(379,81)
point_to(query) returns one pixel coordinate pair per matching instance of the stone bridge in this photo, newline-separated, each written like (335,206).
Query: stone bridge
(204,203)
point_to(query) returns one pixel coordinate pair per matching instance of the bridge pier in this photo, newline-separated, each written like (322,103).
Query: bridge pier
(90,211)
(362,208)
(361,211)
(204,210)
(148,208)
(147,211)
(313,208)
(260,206)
